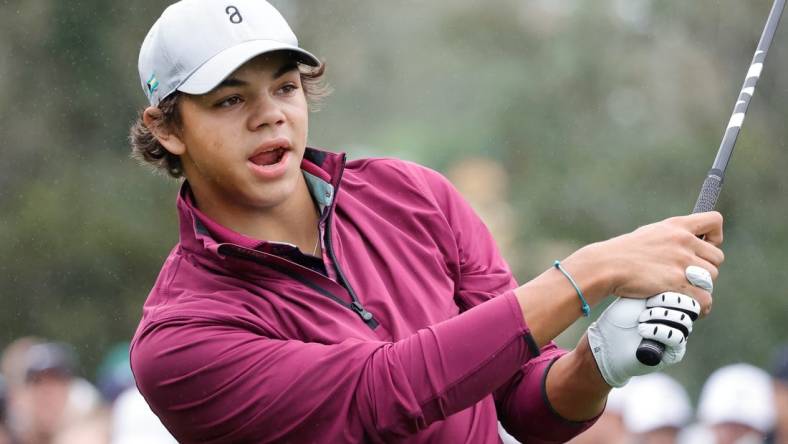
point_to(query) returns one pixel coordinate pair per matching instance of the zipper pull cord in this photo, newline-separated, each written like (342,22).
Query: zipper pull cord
(358,308)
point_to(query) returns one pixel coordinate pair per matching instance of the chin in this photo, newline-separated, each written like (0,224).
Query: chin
(270,195)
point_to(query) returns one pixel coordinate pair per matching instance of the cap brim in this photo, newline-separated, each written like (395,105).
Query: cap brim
(216,69)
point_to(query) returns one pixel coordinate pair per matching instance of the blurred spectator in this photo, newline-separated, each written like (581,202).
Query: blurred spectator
(46,395)
(14,368)
(484,183)
(609,429)
(5,435)
(696,433)
(13,364)
(133,422)
(737,404)
(91,429)
(780,373)
(656,408)
(2,399)
(114,373)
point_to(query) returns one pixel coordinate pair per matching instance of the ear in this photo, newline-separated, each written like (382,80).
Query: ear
(169,139)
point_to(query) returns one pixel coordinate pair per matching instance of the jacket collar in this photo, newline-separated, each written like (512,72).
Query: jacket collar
(198,232)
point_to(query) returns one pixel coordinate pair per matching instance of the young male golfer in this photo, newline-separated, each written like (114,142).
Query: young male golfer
(314,300)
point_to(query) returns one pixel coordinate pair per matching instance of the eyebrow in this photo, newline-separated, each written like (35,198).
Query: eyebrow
(286,68)
(230,82)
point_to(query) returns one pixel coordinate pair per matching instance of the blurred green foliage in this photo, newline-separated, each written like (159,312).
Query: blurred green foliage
(605,115)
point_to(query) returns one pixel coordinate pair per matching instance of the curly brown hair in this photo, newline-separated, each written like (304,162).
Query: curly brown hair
(146,149)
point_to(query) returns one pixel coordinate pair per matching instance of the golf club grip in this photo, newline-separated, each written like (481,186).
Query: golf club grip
(709,192)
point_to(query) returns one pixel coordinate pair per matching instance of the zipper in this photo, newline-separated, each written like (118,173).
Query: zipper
(354,306)
(361,311)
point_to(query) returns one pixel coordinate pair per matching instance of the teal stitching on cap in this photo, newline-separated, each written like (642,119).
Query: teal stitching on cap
(586,309)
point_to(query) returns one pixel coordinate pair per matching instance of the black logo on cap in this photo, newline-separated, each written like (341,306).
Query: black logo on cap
(234,13)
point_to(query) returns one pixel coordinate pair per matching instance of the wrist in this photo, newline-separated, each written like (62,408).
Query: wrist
(575,387)
(585,363)
(595,274)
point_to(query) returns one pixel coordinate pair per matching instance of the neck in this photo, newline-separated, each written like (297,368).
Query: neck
(294,221)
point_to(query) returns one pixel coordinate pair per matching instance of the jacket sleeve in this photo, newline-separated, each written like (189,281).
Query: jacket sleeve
(524,410)
(211,380)
(483,274)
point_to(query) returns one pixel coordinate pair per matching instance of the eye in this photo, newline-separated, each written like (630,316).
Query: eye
(288,88)
(228,102)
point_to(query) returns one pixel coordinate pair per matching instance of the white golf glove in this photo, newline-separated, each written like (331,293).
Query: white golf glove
(666,318)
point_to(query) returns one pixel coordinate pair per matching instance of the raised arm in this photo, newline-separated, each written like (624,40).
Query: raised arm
(555,395)
(637,265)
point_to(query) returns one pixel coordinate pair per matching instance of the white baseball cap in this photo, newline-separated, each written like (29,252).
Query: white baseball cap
(655,401)
(196,44)
(134,422)
(738,393)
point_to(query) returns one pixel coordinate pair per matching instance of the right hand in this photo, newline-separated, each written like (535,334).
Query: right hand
(653,258)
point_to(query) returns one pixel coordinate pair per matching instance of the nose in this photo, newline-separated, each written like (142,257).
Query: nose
(267,112)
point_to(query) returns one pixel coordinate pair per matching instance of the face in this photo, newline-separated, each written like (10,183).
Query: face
(45,401)
(781,400)
(663,435)
(609,429)
(241,144)
(732,433)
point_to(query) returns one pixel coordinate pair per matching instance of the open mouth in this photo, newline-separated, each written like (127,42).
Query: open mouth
(268,158)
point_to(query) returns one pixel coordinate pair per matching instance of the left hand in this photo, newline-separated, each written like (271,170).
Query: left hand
(667,318)
(615,336)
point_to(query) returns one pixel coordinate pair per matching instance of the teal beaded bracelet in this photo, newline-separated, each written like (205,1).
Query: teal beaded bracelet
(586,309)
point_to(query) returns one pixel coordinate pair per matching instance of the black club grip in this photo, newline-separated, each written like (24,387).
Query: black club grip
(709,193)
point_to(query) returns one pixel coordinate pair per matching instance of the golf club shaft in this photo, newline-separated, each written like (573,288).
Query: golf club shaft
(713,183)
(650,352)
